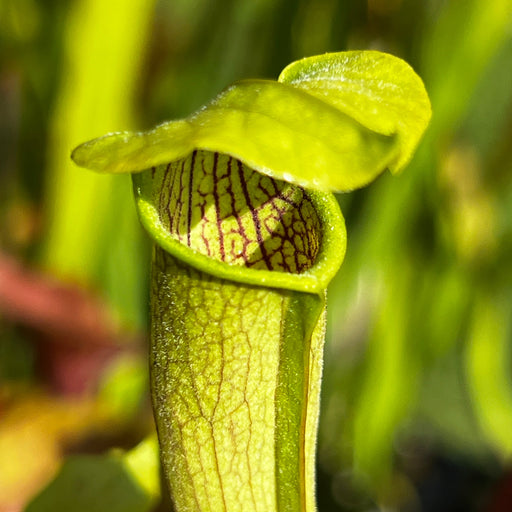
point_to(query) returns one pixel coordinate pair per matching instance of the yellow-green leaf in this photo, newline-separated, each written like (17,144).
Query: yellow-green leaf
(380,91)
(273,128)
(332,122)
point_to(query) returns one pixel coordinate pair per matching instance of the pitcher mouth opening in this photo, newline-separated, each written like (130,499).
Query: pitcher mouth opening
(217,214)
(217,206)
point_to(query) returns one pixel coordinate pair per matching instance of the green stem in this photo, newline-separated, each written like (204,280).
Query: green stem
(235,385)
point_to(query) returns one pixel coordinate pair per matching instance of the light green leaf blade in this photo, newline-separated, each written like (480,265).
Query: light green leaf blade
(488,372)
(104,483)
(125,152)
(380,91)
(274,128)
(287,134)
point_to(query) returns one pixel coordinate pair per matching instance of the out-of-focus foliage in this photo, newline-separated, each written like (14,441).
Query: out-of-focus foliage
(417,396)
(118,482)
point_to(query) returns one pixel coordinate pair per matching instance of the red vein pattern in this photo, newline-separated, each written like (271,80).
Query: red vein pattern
(219,207)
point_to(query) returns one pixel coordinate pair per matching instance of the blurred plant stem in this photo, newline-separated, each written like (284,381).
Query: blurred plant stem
(91,223)
(488,372)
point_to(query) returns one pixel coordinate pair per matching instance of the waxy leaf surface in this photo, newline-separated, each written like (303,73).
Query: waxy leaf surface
(273,128)
(332,123)
(235,378)
(380,91)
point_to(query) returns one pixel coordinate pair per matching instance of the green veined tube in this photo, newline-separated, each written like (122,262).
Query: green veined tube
(247,235)
(236,368)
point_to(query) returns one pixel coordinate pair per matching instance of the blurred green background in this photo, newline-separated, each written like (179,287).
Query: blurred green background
(417,392)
